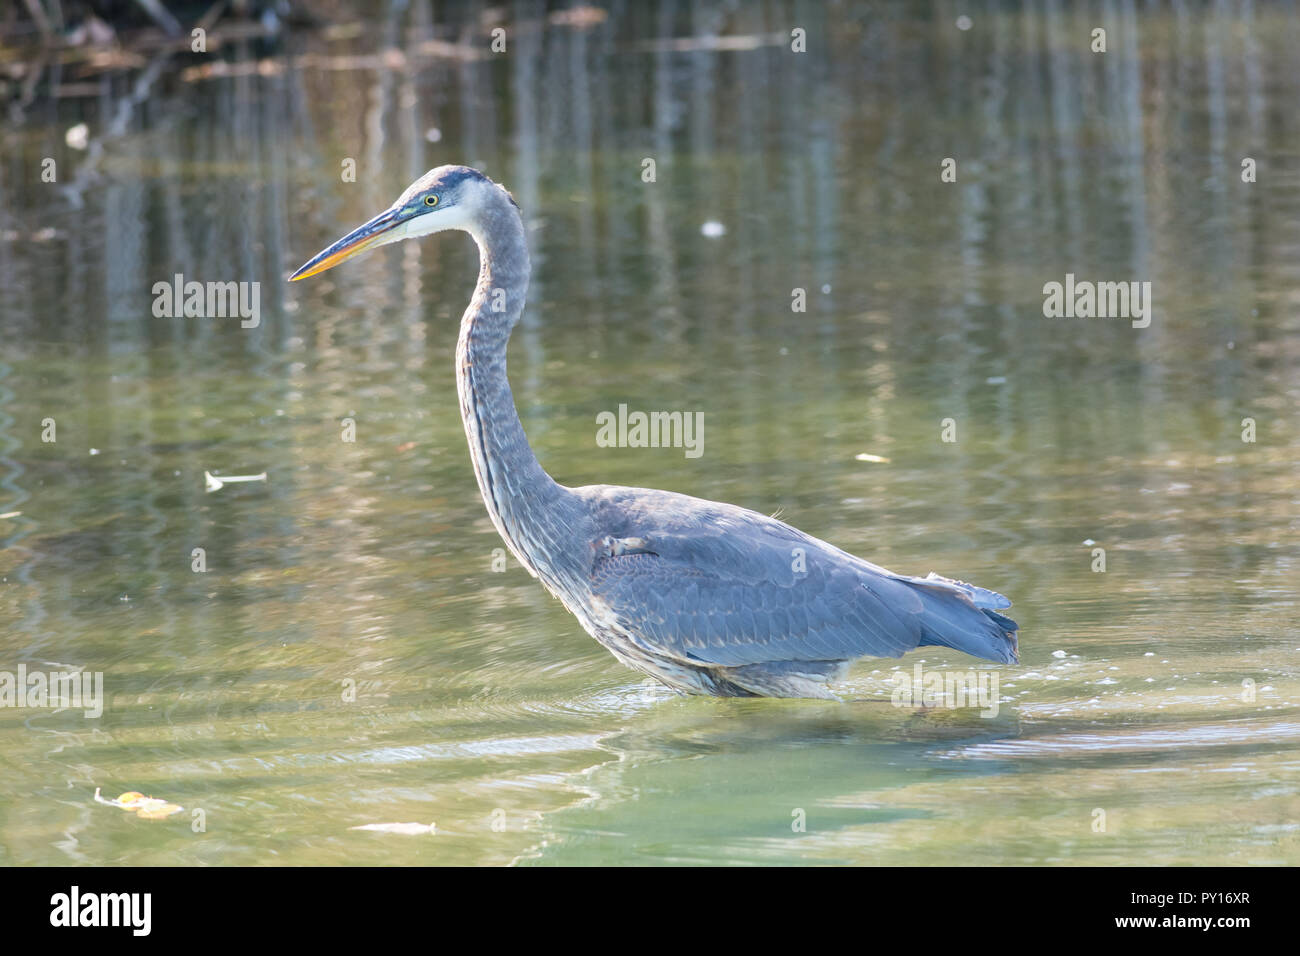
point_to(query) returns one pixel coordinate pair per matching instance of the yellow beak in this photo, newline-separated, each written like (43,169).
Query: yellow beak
(376,232)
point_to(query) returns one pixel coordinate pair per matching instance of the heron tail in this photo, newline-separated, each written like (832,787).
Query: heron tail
(965,618)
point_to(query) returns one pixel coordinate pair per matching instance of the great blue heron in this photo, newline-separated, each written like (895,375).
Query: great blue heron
(707,597)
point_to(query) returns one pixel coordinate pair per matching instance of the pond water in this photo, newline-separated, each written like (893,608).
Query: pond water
(356,654)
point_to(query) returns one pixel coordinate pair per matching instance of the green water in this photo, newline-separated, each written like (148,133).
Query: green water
(351,657)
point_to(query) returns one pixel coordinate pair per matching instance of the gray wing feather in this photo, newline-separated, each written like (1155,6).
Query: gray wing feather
(725,586)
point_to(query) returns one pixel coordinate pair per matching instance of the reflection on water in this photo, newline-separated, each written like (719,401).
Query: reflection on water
(350,657)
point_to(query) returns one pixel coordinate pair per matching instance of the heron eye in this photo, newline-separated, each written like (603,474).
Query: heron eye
(431,200)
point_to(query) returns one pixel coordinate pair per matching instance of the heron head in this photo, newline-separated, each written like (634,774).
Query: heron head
(449,197)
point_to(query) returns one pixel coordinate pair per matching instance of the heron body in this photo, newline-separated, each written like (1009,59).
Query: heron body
(707,597)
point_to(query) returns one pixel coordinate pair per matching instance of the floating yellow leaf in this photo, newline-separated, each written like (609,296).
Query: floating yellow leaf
(147,808)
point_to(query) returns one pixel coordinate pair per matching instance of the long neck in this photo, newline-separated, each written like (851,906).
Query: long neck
(530,510)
